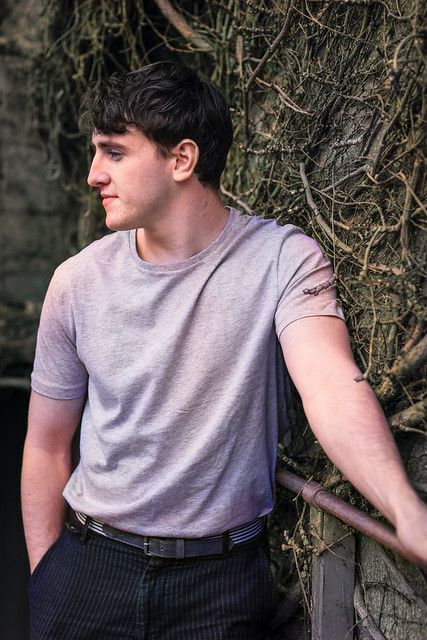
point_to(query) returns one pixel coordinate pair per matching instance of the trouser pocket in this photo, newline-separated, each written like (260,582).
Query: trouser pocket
(45,557)
(269,576)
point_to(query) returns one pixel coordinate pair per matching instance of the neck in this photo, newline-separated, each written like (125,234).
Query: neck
(182,231)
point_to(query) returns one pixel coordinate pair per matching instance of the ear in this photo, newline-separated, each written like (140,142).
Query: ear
(185,157)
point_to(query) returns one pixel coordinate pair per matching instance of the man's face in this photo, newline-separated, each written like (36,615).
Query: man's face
(133,179)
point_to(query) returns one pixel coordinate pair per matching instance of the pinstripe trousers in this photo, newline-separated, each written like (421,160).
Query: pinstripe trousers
(100,589)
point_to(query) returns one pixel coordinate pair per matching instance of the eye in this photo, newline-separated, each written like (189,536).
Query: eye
(114,155)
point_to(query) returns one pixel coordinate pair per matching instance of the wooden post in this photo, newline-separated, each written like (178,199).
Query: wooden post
(332,580)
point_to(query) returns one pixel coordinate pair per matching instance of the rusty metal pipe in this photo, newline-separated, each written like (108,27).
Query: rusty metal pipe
(316,495)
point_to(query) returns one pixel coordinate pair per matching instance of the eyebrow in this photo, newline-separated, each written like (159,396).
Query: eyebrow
(107,143)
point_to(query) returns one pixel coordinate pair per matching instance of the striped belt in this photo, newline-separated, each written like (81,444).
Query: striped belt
(220,544)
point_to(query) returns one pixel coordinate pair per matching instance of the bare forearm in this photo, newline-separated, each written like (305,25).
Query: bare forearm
(350,426)
(44,475)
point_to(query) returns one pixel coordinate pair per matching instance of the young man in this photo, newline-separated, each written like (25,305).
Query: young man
(162,339)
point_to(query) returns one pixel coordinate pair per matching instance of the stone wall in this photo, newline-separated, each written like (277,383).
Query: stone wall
(37,216)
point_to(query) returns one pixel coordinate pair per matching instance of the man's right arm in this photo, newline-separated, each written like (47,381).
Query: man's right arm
(46,468)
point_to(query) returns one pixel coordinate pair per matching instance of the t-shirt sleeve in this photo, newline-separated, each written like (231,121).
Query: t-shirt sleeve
(306,282)
(58,371)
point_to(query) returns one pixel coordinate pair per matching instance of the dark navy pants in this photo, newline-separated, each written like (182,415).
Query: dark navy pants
(105,590)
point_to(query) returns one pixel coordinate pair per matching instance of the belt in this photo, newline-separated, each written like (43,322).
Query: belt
(177,548)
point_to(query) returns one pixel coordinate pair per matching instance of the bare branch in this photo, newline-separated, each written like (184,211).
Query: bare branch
(320,221)
(368,626)
(182,25)
(410,418)
(271,49)
(405,366)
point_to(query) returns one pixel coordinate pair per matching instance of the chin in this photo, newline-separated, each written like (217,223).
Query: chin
(116,225)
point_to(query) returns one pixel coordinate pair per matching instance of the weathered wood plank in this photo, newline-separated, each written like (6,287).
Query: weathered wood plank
(333,574)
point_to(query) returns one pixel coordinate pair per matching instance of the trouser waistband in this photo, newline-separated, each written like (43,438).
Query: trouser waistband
(220,544)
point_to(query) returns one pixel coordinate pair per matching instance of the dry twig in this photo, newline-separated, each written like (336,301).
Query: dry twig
(182,26)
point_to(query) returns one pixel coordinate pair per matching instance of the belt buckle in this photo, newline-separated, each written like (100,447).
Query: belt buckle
(162,548)
(152,547)
(146,546)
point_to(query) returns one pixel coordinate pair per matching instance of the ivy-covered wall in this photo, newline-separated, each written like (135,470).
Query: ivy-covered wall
(328,101)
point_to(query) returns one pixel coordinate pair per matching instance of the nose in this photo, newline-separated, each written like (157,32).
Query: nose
(97,177)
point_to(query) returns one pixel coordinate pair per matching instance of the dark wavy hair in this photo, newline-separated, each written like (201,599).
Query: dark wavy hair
(167,102)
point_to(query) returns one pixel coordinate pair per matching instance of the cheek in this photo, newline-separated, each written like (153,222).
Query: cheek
(145,184)
(155,183)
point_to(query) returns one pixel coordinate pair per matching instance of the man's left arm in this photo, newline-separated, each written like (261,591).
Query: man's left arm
(350,425)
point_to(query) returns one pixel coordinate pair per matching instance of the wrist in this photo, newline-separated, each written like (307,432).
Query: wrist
(408,509)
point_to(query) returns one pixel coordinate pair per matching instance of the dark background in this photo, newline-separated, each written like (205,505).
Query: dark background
(14,565)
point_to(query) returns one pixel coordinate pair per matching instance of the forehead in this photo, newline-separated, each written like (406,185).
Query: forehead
(131,136)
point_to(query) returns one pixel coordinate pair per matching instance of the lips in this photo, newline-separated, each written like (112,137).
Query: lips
(107,198)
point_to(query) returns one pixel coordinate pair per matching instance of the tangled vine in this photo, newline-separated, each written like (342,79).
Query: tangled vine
(328,102)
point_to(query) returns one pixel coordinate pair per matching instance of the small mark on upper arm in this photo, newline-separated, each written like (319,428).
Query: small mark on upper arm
(314,291)
(359,378)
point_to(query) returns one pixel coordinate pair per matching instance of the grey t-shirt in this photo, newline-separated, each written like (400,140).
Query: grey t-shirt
(183,373)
